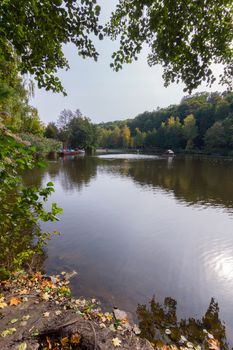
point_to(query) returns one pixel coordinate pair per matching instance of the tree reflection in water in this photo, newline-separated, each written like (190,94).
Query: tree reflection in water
(160,325)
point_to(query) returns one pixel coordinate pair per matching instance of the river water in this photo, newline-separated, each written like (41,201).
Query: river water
(135,226)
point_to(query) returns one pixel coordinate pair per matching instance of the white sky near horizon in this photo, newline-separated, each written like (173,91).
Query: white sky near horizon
(104,95)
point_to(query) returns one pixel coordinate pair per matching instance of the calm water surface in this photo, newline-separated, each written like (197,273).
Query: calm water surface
(138,226)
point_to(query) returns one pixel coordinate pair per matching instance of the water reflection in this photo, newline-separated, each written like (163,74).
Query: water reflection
(160,325)
(73,173)
(195,180)
(132,227)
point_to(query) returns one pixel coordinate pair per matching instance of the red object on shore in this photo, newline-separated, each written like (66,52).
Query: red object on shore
(70,152)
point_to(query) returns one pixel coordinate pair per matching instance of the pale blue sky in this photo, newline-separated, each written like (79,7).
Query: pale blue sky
(102,94)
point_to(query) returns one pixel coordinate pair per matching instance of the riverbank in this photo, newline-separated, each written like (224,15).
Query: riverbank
(38,312)
(161,151)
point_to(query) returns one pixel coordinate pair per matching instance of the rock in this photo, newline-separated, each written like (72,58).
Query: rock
(120,315)
(136,329)
(53,279)
(70,275)
(124,318)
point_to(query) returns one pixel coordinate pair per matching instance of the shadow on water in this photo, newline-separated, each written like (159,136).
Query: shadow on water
(160,325)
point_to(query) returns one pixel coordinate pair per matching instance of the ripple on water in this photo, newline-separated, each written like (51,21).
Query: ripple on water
(217,256)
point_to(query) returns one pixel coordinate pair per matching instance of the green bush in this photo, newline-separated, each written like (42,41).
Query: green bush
(21,208)
(42,144)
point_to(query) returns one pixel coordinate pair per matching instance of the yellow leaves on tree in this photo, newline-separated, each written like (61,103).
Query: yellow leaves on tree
(126,136)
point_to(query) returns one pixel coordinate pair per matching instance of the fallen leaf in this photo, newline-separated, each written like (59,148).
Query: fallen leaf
(22,346)
(7,332)
(214,344)
(2,303)
(15,301)
(45,296)
(102,325)
(25,317)
(38,276)
(75,339)
(64,291)
(48,342)
(58,312)
(14,320)
(109,317)
(47,284)
(46,314)
(35,332)
(116,342)
(24,291)
(112,328)
(136,329)
(64,341)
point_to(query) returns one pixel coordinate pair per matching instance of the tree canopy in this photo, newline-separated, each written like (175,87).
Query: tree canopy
(74,130)
(37,30)
(186,37)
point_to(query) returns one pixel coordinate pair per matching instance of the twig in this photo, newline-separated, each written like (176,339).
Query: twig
(93,329)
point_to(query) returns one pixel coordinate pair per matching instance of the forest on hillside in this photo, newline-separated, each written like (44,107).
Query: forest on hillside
(201,122)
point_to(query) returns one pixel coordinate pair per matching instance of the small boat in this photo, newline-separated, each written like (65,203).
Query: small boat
(71,152)
(169,152)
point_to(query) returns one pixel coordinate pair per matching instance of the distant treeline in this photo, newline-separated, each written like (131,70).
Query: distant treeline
(203,121)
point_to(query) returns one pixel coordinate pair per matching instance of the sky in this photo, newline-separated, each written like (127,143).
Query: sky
(104,95)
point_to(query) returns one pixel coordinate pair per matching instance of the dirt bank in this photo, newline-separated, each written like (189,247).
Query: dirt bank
(37,312)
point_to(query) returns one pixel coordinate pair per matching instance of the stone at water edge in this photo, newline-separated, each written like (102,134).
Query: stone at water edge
(69,275)
(120,315)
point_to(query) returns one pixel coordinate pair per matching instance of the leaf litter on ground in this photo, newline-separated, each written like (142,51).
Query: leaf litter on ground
(55,289)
